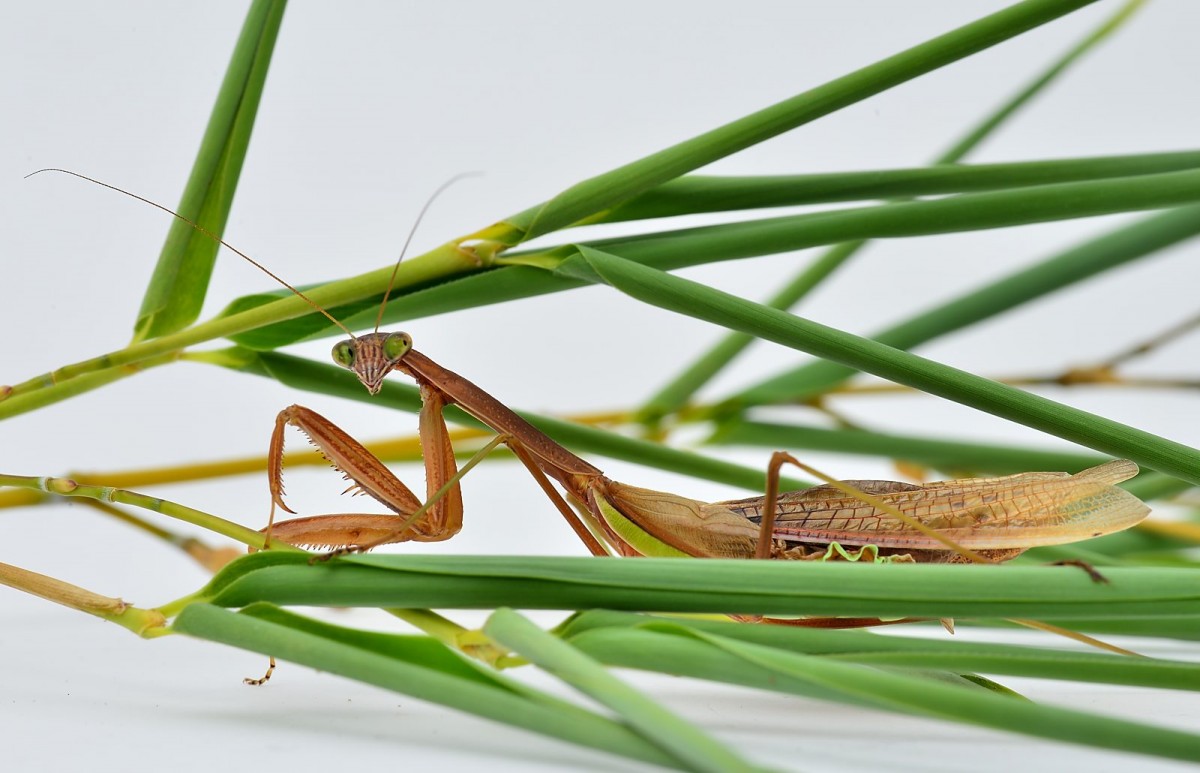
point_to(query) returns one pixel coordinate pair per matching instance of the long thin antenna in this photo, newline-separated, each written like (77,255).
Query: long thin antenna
(210,235)
(412,232)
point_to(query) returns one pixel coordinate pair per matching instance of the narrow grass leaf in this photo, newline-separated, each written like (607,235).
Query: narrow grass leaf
(1110,250)
(406,668)
(177,288)
(795,588)
(867,648)
(989,124)
(707,656)
(965,212)
(677,392)
(693,747)
(699,193)
(696,246)
(697,300)
(603,191)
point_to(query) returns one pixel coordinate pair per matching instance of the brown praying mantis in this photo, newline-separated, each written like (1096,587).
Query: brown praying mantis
(998,517)
(981,520)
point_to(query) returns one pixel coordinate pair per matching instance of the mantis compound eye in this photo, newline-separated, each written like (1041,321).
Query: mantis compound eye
(397,345)
(343,354)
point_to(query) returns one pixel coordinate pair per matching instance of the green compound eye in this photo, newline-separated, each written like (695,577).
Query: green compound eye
(343,354)
(396,345)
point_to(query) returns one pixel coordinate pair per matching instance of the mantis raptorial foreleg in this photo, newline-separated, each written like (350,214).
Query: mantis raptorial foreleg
(440,521)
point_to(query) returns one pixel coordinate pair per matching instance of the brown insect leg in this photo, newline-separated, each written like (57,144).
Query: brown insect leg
(581,531)
(766,529)
(259,682)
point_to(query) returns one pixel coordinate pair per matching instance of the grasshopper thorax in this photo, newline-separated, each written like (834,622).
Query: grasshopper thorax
(372,356)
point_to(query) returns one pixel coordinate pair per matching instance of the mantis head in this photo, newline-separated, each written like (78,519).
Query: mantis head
(372,356)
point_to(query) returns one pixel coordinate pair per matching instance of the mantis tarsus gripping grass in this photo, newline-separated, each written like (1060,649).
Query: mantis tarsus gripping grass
(983,520)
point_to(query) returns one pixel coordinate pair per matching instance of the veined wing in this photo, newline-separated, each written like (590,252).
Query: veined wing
(1015,511)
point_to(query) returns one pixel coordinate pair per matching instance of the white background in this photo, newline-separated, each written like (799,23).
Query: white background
(367,109)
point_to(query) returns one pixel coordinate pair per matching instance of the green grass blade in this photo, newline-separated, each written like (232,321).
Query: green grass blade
(406,668)
(678,248)
(677,392)
(438,263)
(955,214)
(951,455)
(719,586)
(696,246)
(867,648)
(695,193)
(697,300)
(51,391)
(176,291)
(693,747)
(598,193)
(989,124)
(707,656)
(1105,252)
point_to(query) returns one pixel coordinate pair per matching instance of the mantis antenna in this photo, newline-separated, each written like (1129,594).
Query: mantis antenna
(412,232)
(260,266)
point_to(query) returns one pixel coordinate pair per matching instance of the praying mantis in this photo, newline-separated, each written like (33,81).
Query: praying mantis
(980,520)
(998,517)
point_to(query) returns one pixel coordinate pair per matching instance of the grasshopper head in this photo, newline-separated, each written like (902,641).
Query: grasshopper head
(373,356)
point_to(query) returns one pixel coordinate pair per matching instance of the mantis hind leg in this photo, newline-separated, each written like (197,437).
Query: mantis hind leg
(766,529)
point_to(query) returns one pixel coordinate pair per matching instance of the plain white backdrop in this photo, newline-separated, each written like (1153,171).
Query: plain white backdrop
(368,108)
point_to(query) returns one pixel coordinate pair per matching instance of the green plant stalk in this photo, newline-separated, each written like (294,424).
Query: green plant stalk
(177,288)
(598,193)
(867,648)
(45,390)
(695,748)
(700,193)
(69,488)
(697,300)
(965,212)
(981,34)
(439,263)
(693,246)
(1097,36)
(712,586)
(706,656)
(447,681)
(1105,252)
(676,393)
(955,214)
